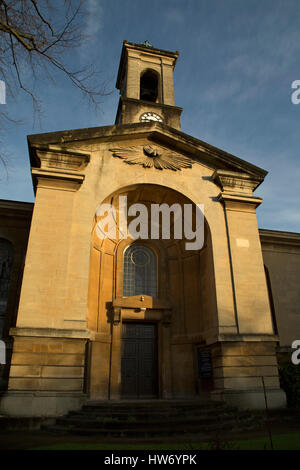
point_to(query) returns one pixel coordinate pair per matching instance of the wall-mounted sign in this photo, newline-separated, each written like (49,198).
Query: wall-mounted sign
(204,364)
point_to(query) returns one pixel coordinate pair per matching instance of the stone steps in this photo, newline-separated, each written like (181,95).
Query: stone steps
(145,415)
(139,417)
(151,419)
(157,404)
(131,424)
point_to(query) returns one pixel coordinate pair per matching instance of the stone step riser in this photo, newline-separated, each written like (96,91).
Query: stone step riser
(145,415)
(147,411)
(134,424)
(150,432)
(153,406)
(152,419)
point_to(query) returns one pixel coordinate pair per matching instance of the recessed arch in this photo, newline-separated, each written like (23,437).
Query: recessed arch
(186,295)
(149,85)
(155,186)
(106,261)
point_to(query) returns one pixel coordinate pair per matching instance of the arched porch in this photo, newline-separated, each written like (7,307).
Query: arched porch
(177,318)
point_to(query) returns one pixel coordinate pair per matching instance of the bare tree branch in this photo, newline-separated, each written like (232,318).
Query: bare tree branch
(37,38)
(38,35)
(41,16)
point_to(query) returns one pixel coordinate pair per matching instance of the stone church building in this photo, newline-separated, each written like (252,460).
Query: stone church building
(88,317)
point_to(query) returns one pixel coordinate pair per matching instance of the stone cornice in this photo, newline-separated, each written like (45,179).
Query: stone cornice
(201,151)
(276,237)
(124,99)
(142,301)
(236,182)
(49,332)
(56,158)
(66,181)
(233,200)
(57,168)
(243,337)
(16,209)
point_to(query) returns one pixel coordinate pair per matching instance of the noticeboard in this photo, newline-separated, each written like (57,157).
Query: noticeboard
(204,364)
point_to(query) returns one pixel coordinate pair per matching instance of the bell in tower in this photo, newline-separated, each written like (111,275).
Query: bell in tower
(145,81)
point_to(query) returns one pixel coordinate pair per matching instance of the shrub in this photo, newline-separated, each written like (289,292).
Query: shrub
(289,375)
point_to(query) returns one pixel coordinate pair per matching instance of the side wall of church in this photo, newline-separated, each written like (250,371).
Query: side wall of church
(281,254)
(15,219)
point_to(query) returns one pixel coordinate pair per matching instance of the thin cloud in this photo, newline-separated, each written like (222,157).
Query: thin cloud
(93,26)
(175,15)
(94,17)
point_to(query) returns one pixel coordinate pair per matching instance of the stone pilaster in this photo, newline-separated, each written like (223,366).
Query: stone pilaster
(245,363)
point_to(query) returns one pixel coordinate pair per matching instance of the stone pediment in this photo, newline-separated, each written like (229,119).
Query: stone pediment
(184,150)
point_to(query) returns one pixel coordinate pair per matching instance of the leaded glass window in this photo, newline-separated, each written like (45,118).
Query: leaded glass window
(139,271)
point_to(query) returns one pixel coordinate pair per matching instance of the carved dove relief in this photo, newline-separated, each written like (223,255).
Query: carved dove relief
(149,157)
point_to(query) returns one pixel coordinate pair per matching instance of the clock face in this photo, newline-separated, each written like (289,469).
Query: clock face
(146,117)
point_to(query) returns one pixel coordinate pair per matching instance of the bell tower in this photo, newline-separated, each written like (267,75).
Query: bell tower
(145,81)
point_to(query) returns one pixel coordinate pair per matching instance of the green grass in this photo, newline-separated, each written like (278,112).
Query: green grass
(281,442)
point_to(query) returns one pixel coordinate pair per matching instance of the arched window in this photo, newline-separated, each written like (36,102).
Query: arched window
(139,271)
(149,86)
(6,265)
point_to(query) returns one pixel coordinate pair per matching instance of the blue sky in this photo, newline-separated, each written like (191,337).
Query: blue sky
(238,59)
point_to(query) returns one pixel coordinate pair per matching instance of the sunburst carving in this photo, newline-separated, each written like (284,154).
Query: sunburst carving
(149,157)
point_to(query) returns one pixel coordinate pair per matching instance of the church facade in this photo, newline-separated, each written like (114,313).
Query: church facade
(94,317)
